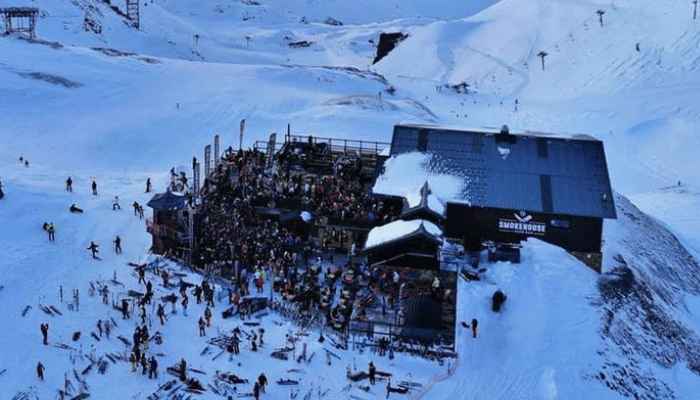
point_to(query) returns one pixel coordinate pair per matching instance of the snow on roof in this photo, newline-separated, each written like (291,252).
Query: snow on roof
(398,229)
(405,174)
(435,204)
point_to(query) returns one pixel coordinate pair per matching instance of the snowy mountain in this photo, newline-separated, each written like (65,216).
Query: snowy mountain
(94,98)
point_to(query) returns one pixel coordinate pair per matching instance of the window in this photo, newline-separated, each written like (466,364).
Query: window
(560,223)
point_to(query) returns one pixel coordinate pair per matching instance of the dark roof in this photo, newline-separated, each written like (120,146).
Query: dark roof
(168,201)
(528,171)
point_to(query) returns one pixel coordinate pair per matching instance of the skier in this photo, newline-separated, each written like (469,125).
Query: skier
(161,314)
(99,326)
(93,247)
(45,333)
(201,327)
(115,204)
(474,325)
(69,184)
(148,185)
(118,245)
(262,380)
(136,206)
(51,229)
(372,372)
(94,188)
(153,372)
(40,370)
(75,209)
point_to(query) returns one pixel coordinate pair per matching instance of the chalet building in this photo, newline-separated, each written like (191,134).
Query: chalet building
(502,188)
(169,224)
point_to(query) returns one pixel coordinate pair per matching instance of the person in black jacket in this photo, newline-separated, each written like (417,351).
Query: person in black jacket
(94,188)
(153,372)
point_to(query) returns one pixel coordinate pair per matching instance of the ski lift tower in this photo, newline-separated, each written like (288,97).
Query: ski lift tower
(24,19)
(132,12)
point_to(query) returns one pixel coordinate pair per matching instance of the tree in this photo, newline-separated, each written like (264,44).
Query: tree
(542,55)
(600,16)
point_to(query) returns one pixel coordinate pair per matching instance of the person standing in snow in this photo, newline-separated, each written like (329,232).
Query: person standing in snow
(185,302)
(133,361)
(201,327)
(256,391)
(207,315)
(372,372)
(153,372)
(148,185)
(118,245)
(69,184)
(136,206)
(51,229)
(262,380)
(161,314)
(2,194)
(93,247)
(115,204)
(40,370)
(144,364)
(475,323)
(94,188)
(45,332)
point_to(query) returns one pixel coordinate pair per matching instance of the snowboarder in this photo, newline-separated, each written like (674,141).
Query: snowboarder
(94,188)
(93,247)
(474,325)
(75,209)
(69,184)
(161,314)
(372,372)
(148,185)
(115,204)
(262,380)
(51,229)
(153,372)
(118,245)
(45,333)
(201,327)
(40,370)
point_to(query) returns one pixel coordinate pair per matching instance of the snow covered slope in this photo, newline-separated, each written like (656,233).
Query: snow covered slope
(119,105)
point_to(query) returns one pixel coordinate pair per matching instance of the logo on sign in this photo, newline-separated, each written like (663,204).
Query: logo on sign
(522,224)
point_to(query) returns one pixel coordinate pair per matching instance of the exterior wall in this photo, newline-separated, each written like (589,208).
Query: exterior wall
(478,224)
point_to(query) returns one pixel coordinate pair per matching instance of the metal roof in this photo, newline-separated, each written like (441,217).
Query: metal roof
(531,171)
